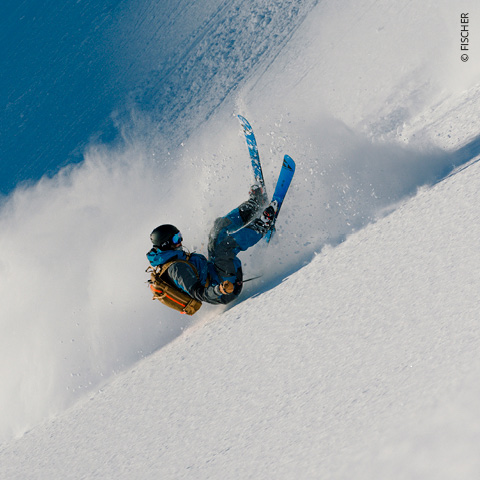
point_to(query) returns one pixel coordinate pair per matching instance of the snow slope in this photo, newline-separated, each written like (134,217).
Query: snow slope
(77,83)
(361,362)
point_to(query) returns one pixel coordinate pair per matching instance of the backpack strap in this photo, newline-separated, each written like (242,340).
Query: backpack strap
(166,266)
(160,270)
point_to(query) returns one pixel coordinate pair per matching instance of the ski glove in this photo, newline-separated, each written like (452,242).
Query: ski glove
(226,287)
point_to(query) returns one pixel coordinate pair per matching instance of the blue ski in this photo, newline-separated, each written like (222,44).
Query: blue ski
(253,152)
(281,189)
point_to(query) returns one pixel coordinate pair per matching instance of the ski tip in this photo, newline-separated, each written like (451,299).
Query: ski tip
(288,162)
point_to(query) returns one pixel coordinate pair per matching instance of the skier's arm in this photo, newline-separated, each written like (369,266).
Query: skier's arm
(184,277)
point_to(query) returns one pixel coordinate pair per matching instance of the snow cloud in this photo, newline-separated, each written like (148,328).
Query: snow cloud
(72,258)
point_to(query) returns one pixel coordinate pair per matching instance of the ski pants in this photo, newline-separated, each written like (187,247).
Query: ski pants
(230,235)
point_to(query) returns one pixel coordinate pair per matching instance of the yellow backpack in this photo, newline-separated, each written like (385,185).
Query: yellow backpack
(169,294)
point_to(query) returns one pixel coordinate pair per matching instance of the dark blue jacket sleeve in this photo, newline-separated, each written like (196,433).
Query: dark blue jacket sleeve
(183,276)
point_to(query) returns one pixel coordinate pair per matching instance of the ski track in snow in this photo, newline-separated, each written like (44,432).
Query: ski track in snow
(187,86)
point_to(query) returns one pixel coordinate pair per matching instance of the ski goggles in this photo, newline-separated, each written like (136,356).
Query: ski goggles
(177,239)
(173,243)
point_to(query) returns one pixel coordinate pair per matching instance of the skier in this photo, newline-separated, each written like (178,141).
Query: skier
(219,279)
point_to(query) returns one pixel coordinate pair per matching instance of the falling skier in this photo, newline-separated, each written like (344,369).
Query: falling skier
(182,280)
(219,279)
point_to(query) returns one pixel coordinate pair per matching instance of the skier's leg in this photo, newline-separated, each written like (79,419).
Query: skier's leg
(229,236)
(242,215)
(224,247)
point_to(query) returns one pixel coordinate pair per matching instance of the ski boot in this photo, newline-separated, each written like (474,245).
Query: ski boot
(265,222)
(258,198)
(258,194)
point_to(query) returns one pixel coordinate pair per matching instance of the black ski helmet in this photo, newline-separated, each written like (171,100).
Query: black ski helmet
(162,237)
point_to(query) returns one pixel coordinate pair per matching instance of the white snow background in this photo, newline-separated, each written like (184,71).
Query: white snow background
(357,353)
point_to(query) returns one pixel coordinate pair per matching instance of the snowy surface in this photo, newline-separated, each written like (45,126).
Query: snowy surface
(363,364)
(357,354)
